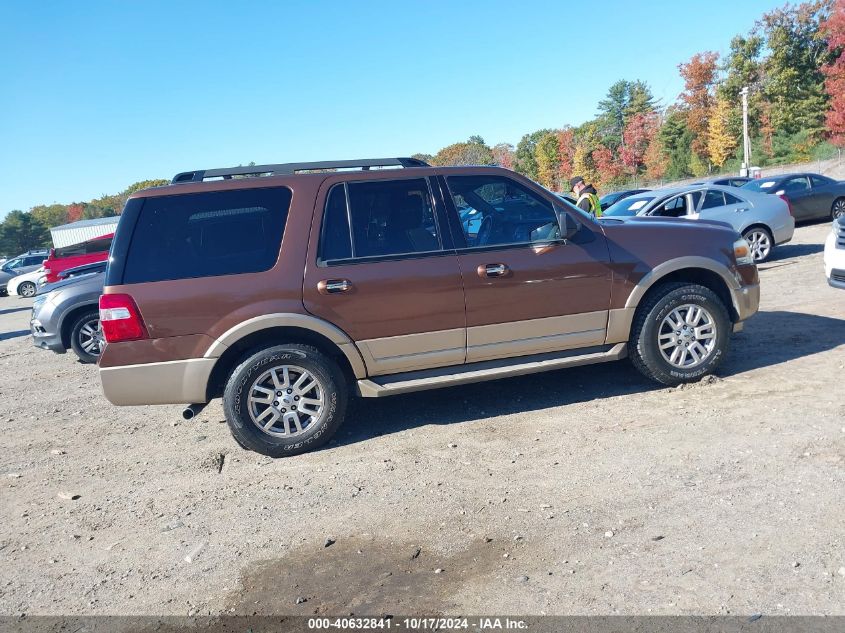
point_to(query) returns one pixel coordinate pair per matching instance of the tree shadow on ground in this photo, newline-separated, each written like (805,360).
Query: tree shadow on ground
(769,338)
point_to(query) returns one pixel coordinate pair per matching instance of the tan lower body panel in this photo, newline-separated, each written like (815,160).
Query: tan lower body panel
(453,376)
(172,382)
(413,351)
(551,334)
(619,323)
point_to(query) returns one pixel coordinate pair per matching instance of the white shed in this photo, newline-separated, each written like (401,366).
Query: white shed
(82,231)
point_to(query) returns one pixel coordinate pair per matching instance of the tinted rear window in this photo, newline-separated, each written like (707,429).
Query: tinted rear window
(207,234)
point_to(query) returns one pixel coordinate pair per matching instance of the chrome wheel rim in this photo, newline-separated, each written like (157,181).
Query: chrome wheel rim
(91,337)
(687,336)
(838,209)
(286,401)
(760,244)
(27,289)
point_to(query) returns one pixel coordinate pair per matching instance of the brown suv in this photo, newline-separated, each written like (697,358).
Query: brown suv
(289,288)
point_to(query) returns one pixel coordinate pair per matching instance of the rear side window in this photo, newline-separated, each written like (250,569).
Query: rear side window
(388,218)
(207,234)
(713,199)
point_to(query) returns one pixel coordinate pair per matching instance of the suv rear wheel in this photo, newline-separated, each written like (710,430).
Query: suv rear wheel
(680,333)
(285,400)
(86,337)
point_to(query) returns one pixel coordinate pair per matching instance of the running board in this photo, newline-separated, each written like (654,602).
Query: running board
(487,370)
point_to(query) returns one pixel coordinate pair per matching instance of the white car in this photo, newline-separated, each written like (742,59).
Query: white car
(26,285)
(834,254)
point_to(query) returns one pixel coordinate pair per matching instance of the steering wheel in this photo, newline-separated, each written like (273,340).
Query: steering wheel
(484,231)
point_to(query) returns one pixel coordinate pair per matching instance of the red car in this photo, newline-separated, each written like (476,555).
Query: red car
(96,250)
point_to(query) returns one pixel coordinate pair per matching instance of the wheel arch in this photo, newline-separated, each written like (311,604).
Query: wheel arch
(268,330)
(759,225)
(700,270)
(68,318)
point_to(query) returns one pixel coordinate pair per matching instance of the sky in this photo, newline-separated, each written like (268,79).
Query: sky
(97,95)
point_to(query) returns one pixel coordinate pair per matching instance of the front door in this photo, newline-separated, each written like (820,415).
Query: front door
(527,291)
(377,269)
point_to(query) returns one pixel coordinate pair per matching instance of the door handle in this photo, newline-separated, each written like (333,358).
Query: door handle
(334,286)
(741,210)
(493,270)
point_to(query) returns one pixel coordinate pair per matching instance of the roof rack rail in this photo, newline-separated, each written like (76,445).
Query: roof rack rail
(288,169)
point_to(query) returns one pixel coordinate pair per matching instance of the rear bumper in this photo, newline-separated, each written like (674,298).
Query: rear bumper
(171,382)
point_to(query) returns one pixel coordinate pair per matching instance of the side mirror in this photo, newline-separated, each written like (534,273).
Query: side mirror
(568,226)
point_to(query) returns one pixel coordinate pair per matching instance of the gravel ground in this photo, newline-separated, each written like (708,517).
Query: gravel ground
(582,491)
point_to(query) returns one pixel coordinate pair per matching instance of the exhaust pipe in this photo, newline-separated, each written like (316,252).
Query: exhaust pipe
(193,410)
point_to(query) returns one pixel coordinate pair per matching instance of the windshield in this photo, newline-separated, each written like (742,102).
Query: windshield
(610,198)
(761,184)
(628,206)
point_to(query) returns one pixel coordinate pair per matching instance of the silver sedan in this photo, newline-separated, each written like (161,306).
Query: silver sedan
(764,221)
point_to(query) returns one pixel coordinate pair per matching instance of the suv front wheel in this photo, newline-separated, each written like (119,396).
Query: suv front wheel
(285,400)
(680,333)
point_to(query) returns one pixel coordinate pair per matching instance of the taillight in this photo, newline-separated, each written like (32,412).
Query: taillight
(788,203)
(120,319)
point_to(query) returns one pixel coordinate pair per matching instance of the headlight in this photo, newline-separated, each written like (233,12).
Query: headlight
(38,302)
(742,252)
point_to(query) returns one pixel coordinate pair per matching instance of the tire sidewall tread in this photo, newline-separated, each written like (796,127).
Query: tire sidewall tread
(236,393)
(83,356)
(642,346)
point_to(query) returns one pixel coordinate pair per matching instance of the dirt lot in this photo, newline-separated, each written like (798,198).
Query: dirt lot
(583,491)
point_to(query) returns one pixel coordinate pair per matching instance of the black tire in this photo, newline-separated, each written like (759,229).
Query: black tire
(317,432)
(77,335)
(768,235)
(837,210)
(643,345)
(27,289)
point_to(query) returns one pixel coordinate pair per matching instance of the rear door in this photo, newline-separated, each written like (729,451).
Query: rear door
(824,192)
(797,189)
(381,268)
(527,291)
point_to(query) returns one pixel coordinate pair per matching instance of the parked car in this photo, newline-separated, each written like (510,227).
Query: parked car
(725,181)
(374,291)
(764,221)
(24,263)
(96,267)
(611,198)
(92,251)
(811,196)
(26,285)
(67,317)
(834,254)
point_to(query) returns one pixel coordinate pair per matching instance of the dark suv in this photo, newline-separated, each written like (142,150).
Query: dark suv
(286,289)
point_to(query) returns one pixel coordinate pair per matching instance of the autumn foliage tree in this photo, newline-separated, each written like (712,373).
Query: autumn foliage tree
(636,139)
(720,141)
(834,72)
(697,99)
(474,152)
(547,154)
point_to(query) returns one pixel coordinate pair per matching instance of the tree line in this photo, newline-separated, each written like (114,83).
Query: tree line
(792,63)
(22,231)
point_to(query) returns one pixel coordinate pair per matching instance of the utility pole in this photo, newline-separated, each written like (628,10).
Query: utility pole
(746,141)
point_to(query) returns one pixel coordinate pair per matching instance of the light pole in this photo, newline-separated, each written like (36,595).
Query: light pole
(746,141)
